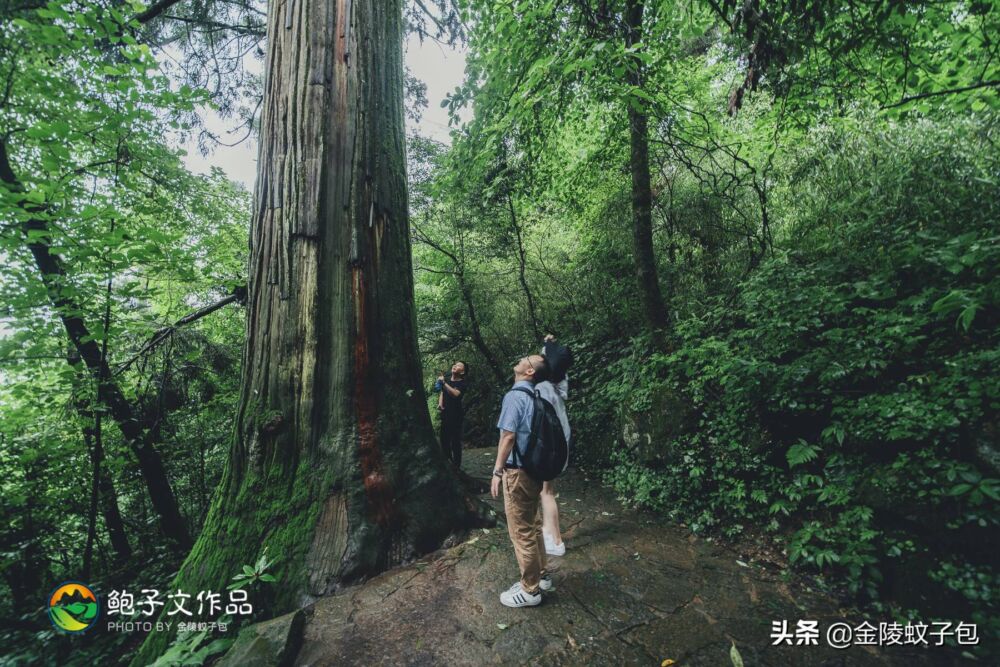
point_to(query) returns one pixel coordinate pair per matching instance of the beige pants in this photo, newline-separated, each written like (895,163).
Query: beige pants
(521,500)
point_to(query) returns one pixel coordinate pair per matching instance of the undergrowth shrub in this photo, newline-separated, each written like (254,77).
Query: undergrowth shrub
(845,399)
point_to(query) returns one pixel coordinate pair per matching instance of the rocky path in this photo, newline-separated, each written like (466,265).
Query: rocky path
(631,590)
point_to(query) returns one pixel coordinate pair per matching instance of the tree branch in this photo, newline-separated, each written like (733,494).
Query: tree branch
(155,10)
(951,91)
(239,294)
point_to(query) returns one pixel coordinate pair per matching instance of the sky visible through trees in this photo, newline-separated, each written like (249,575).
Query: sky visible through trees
(440,66)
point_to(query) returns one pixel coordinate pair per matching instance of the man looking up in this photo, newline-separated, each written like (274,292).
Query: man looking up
(521,492)
(450,405)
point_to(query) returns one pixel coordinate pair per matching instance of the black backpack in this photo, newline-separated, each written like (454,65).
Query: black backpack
(547,451)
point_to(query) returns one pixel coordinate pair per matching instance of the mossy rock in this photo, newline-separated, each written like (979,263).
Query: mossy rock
(648,433)
(273,643)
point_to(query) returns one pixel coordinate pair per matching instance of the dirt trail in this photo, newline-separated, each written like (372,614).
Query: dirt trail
(631,589)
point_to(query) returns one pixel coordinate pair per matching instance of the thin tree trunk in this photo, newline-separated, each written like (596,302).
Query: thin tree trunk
(88,550)
(53,274)
(521,266)
(334,466)
(642,193)
(476,330)
(458,263)
(113,519)
(93,435)
(109,506)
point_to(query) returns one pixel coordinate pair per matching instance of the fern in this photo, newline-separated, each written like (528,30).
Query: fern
(801,452)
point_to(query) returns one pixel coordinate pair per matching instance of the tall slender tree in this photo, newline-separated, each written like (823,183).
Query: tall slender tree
(333,467)
(642,191)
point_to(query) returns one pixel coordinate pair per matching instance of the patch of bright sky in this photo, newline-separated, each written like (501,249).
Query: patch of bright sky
(439,66)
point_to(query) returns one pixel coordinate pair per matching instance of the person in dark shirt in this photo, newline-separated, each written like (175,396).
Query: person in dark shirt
(450,404)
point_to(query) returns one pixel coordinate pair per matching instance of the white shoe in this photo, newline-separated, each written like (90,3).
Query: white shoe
(544,583)
(551,548)
(515,597)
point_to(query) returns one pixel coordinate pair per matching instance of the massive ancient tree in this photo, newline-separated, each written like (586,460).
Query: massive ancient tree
(334,467)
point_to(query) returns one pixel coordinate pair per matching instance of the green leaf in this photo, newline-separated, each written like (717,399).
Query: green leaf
(967,315)
(735,657)
(800,453)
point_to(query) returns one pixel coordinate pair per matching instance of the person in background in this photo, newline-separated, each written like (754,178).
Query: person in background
(450,406)
(555,390)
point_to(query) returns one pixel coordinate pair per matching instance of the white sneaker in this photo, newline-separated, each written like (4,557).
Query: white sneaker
(551,548)
(515,597)
(544,583)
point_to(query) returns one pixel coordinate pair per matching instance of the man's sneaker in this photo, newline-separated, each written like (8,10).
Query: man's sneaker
(515,597)
(551,548)
(544,583)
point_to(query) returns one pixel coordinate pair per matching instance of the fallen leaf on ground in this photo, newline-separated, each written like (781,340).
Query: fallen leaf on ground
(735,656)
(502,626)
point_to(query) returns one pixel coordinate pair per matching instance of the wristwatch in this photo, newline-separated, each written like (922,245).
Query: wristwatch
(497,473)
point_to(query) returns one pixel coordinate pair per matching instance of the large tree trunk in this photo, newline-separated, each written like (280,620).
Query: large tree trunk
(334,466)
(642,191)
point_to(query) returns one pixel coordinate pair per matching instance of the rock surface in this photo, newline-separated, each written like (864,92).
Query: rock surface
(273,643)
(632,589)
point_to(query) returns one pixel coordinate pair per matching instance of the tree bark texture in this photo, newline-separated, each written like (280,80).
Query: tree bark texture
(642,191)
(334,466)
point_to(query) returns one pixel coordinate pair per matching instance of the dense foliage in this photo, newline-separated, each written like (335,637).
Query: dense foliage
(845,396)
(109,248)
(827,245)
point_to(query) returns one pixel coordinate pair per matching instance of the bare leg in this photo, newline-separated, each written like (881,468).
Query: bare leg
(550,512)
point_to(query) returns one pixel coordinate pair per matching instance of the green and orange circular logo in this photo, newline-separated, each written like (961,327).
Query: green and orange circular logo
(73,607)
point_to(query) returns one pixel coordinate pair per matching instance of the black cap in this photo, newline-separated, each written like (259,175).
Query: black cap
(558,358)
